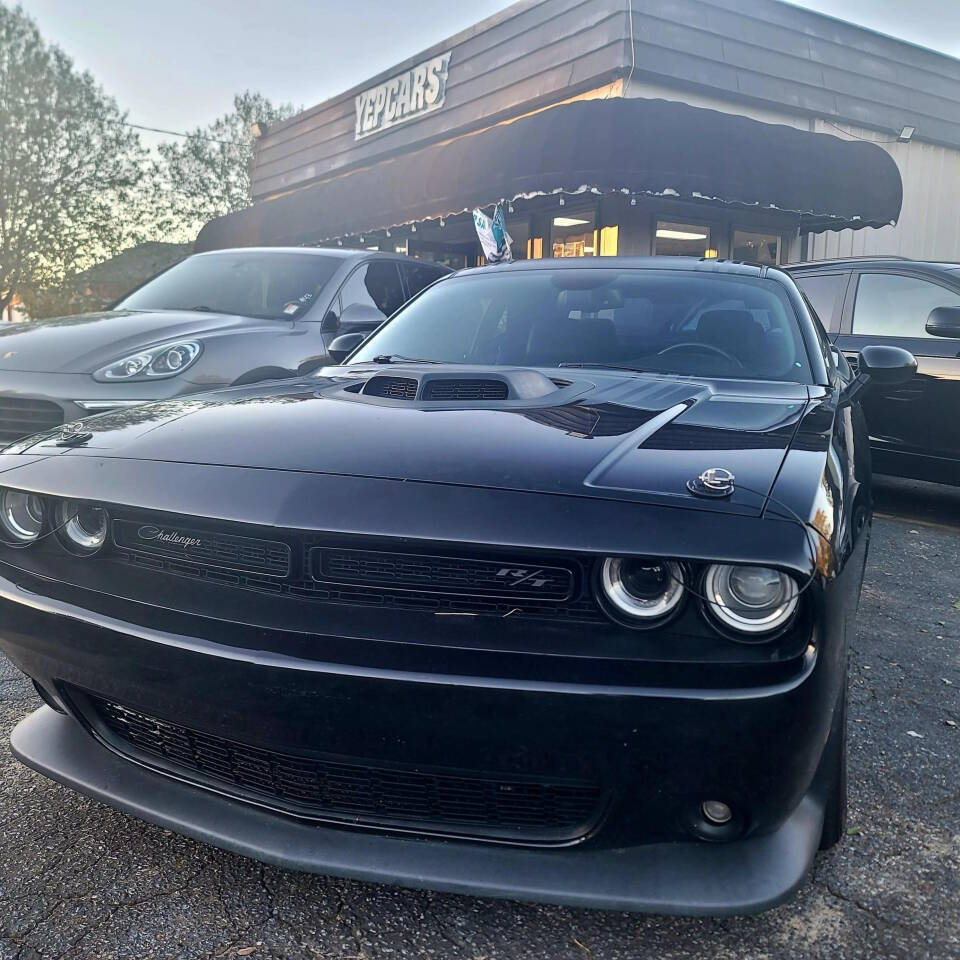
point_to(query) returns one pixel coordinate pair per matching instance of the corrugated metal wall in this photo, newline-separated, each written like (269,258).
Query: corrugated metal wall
(929,225)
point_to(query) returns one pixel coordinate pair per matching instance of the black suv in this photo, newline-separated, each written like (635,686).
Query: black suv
(915,426)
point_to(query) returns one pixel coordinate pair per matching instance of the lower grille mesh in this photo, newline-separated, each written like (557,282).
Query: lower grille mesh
(359,792)
(20,417)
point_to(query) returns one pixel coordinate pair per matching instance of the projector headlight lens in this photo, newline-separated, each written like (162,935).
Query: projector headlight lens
(642,591)
(81,527)
(21,516)
(751,600)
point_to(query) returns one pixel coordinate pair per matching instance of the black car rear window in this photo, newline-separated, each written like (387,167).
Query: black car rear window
(669,321)
(272,285)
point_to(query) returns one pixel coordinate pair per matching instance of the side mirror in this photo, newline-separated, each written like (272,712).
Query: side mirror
(887,365)
(344,345)
(944,322)
(882,365)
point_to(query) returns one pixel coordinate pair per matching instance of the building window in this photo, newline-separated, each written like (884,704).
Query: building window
(535,248)
(756,247)
(681,239)
(575,234)
(609,240)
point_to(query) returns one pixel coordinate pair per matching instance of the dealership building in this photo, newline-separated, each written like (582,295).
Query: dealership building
(752,130)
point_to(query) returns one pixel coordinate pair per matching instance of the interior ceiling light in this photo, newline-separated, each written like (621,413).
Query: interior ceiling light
(679,235)
(568,222)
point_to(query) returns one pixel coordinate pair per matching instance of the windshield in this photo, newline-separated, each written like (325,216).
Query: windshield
(274,286)
(657,321)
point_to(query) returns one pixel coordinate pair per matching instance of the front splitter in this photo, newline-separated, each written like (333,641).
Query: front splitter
(695,878)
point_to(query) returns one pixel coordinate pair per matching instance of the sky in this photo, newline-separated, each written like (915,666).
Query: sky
(177,64)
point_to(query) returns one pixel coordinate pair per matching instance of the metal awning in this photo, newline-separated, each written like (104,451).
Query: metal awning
(656,148)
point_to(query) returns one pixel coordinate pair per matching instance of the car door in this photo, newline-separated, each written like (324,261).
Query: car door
(921,418)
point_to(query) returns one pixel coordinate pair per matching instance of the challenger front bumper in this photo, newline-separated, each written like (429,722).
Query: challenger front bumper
(742,877)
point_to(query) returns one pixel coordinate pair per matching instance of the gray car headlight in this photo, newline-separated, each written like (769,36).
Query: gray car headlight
(81,527)
(750,600)
(153,364)
(21,517)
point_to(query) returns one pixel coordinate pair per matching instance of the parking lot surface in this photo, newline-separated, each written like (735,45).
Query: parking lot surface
(80,880)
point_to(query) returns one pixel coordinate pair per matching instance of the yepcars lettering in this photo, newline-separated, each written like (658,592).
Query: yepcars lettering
(412,94)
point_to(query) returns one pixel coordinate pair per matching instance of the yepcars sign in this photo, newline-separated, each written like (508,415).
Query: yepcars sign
(412,94)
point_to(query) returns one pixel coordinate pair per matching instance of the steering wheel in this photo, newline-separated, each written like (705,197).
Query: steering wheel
(702,348)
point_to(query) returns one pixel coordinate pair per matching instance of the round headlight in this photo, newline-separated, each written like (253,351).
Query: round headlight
(21,516)
(641,591)
(752,600)
(81,527)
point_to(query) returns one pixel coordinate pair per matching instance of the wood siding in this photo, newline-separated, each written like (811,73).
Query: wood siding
(533,54)
(540,51)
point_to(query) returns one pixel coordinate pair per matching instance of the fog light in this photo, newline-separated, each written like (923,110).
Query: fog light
(716,812)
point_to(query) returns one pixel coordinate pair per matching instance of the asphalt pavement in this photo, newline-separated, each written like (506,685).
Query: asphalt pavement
(80,880)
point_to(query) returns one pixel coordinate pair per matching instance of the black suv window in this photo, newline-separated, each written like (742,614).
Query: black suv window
(375,284)
(825,293)
(420,275)
(896,305)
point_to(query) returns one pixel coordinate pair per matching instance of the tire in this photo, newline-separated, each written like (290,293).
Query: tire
(835,805)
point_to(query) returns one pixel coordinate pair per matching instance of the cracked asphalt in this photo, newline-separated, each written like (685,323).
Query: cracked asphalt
(80,880)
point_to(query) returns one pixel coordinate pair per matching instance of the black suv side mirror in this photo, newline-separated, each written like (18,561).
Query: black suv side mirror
(882,365)
(344,345)
(944,322)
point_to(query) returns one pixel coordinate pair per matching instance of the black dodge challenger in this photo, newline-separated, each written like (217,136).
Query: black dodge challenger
(544,592)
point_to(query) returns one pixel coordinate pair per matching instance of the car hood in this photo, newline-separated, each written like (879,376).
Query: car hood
(87,342)
(614,436)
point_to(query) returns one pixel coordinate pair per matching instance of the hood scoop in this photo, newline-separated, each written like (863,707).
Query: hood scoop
(462,386)
(392,388)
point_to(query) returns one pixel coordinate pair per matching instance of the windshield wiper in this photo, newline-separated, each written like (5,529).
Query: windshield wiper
(201,308)
(601,366)
(399,358)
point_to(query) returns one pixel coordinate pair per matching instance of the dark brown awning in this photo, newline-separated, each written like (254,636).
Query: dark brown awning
(649,147)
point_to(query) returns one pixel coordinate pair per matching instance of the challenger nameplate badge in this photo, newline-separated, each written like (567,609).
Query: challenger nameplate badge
(168,536)
(214,550)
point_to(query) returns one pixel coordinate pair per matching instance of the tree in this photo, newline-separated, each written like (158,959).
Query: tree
(68,164)
(211,172)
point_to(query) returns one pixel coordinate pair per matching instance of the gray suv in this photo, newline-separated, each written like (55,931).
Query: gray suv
(215,319)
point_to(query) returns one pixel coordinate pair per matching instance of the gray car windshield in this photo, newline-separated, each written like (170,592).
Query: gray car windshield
(271,285)
(678,322)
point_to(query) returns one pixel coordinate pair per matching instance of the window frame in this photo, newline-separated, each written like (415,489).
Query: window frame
(594,211)
(834,325)
(338,296)
(757,232)
(711,228)
(850,300)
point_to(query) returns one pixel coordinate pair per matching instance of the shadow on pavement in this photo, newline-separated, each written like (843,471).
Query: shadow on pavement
(916,500)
